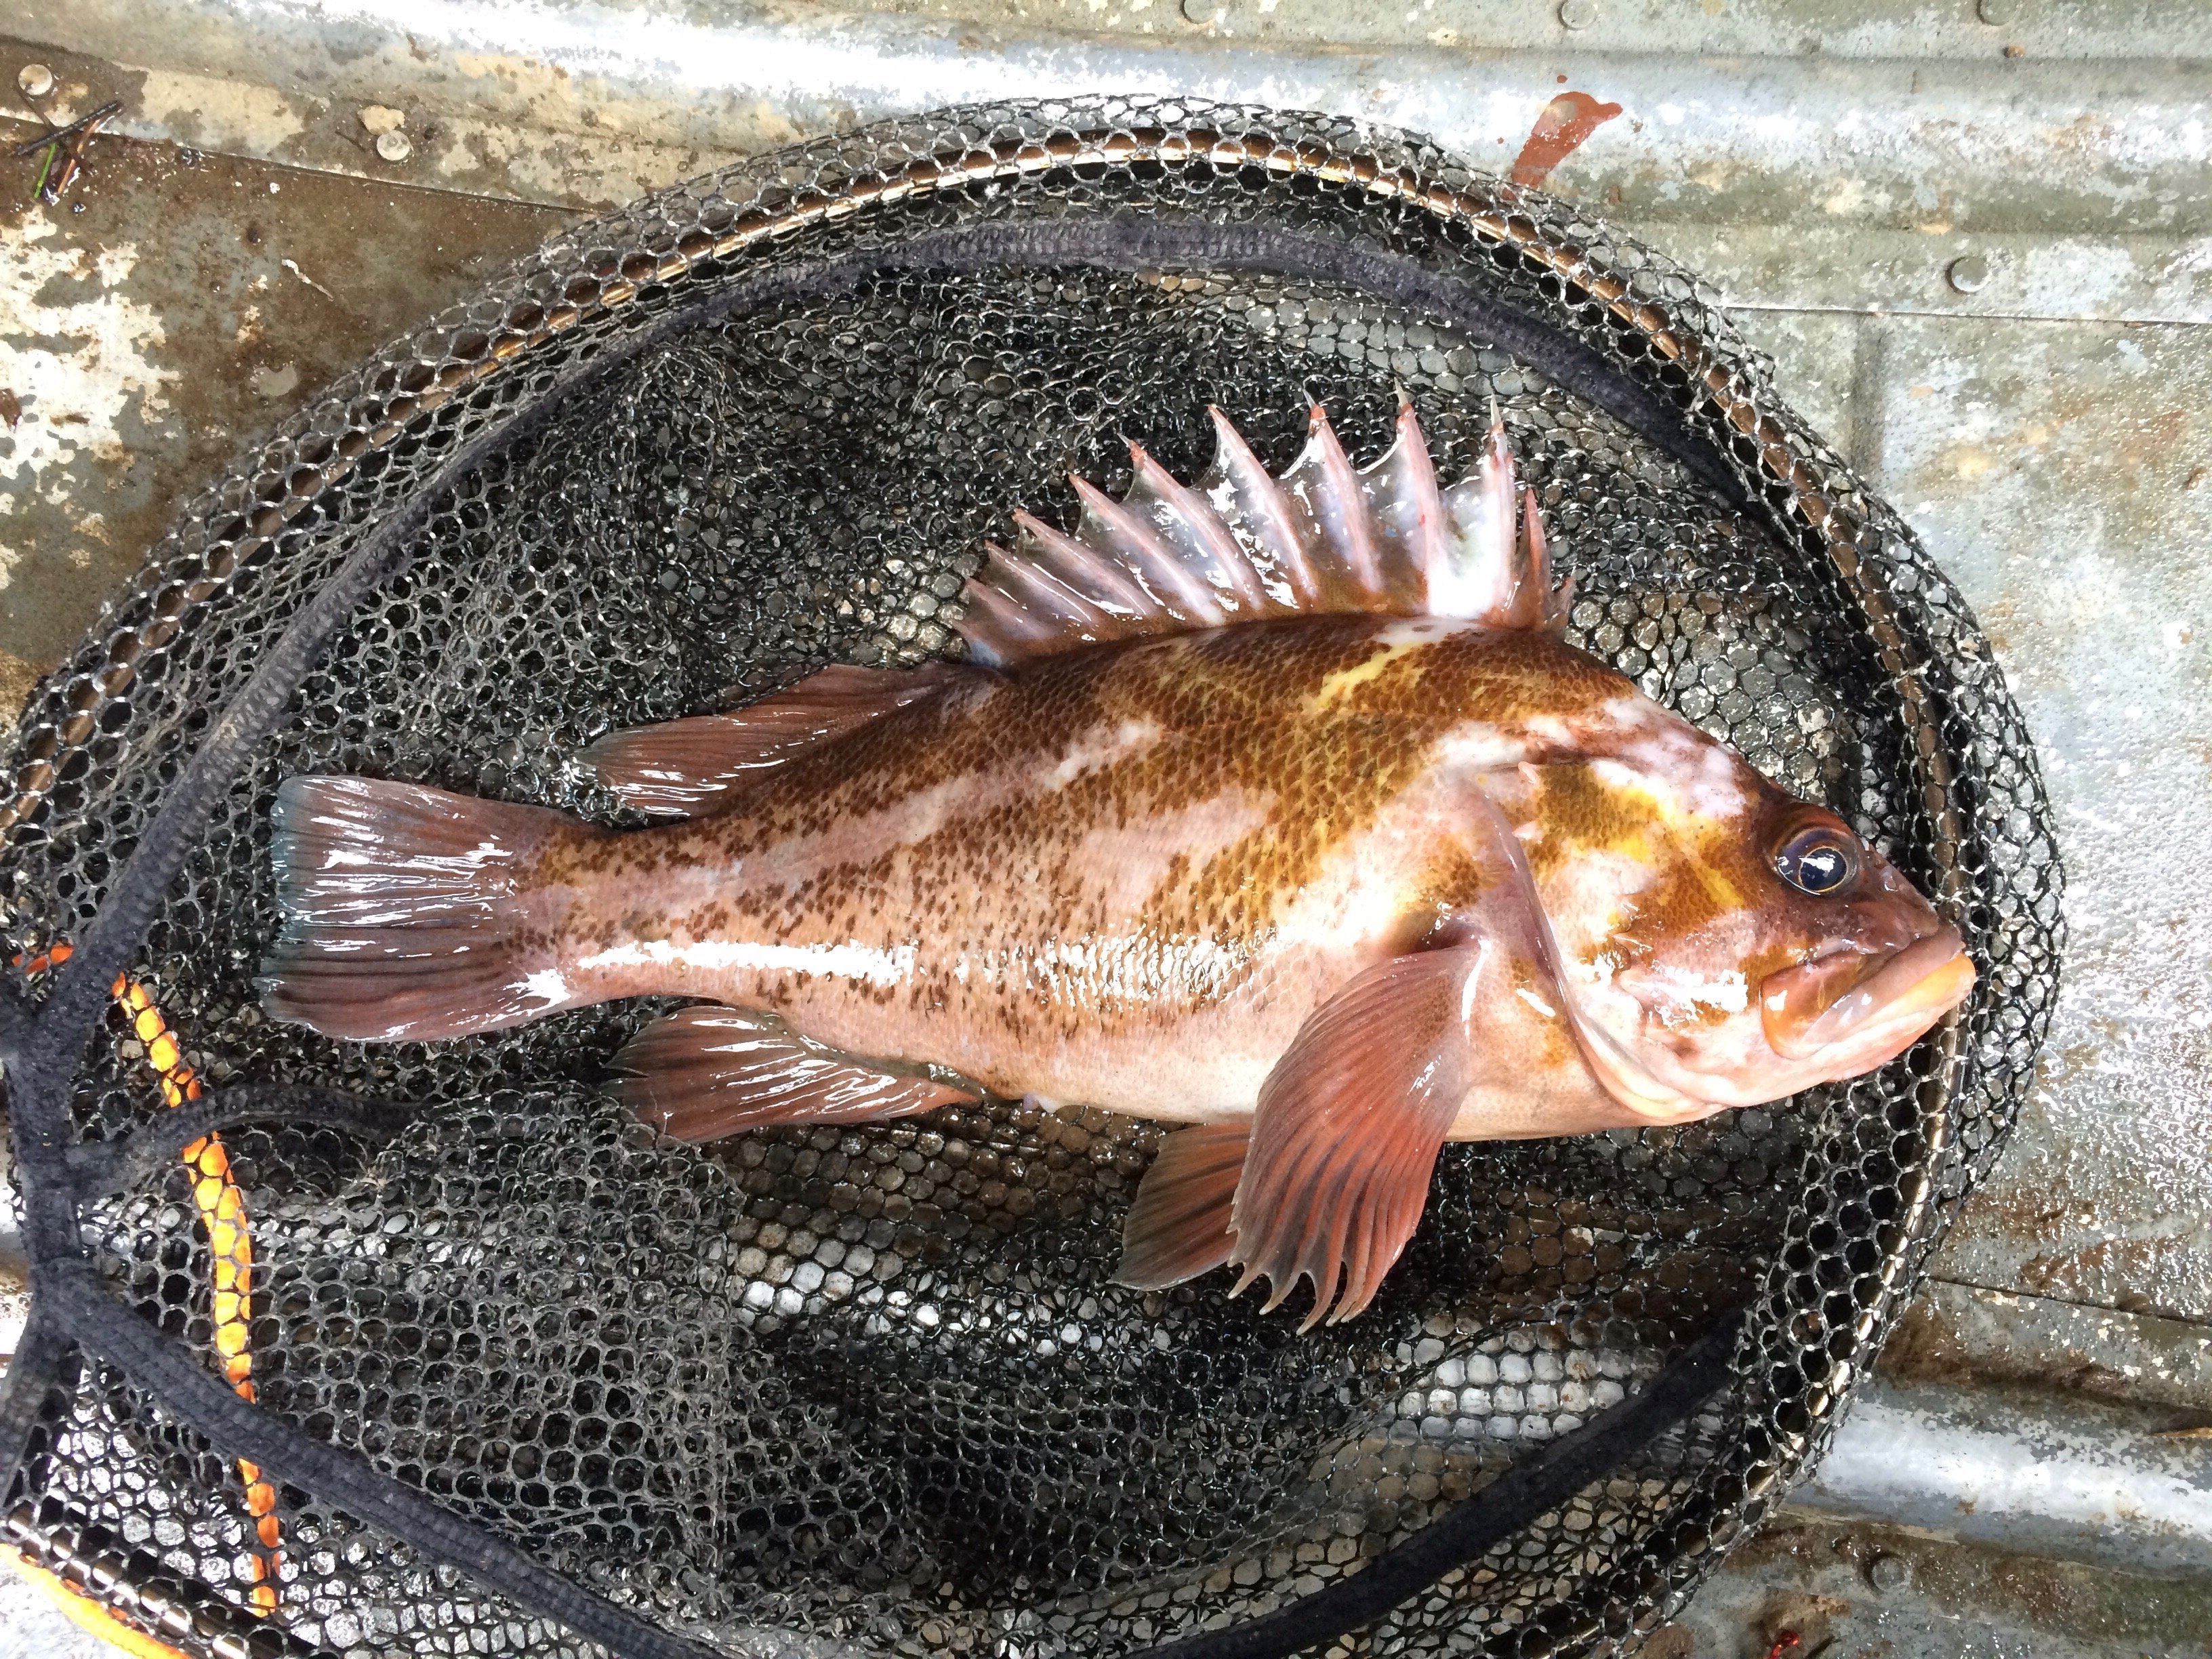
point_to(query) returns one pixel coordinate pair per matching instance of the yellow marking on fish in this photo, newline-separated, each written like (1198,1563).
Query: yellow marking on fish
(1724,893)
(1641,810)
(1339,685)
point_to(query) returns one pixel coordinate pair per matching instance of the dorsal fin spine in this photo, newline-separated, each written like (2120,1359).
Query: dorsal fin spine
(1155,564)
(1084,569)
(1501,511)
(1338,502)
(1198,519)
(1400,489)
(1038,585)
(1272,527)
(1242,544)
(1431,551)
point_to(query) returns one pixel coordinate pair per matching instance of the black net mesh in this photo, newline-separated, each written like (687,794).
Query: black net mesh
(869,1388)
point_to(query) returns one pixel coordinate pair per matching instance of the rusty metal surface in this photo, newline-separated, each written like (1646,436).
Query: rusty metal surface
(1866,1592)
(144,340)
(1959,1333)
(2045,429)
(2069,147)
(2058,1477)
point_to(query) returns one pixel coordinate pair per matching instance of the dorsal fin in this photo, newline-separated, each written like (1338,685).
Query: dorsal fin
(1240,545)
(700,764)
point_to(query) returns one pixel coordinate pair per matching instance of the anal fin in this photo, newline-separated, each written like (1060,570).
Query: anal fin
(709,1071)
(1178,1228)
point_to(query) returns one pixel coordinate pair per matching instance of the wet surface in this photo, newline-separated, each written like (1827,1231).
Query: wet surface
(1963,1335)
(150,337)
(2058,464)
(2062,472)
(1860,1592)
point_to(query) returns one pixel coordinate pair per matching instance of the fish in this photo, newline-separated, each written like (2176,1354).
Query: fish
(1276,809)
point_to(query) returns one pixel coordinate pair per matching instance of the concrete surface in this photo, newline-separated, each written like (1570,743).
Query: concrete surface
(1825,165)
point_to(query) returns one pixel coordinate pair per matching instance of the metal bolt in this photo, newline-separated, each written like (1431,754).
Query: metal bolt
(393,146)
(1577,14)
(1997,13)
(34,80)
(1888,1573)
(1969,273)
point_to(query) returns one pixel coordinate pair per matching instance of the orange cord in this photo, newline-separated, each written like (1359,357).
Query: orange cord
(223,1211)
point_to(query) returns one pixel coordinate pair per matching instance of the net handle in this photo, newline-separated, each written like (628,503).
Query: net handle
(42,1052)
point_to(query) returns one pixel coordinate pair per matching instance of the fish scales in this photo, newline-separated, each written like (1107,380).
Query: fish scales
(1163,809)
(1272,806)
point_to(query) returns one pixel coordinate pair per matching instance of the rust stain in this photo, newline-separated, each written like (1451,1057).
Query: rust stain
(1567,120)
(11,407)
(221,1205)
(1798,1624)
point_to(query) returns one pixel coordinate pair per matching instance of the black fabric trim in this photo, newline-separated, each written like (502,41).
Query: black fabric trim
(1529,1489)
(42,1354)
(188,1391)
(105,1167)
(42,1054)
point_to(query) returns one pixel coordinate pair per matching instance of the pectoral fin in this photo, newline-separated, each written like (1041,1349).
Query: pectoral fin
(1349,1125)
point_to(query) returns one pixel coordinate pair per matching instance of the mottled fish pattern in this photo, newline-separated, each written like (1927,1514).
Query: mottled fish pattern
(1272,807)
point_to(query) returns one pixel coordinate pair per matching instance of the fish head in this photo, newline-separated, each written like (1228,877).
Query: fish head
(1724,943)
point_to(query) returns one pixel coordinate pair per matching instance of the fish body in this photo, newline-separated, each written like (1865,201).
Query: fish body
(1268,851)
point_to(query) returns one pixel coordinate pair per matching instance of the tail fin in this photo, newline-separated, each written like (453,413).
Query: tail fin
(408,913)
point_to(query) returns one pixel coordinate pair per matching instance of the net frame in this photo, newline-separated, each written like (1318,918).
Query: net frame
(339,499)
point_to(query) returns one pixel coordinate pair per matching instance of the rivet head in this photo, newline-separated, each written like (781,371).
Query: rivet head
(1202,11)
(394,146)
(1888,1573)
(34,80)
(1577,14)
(1969,273)
(1996,13)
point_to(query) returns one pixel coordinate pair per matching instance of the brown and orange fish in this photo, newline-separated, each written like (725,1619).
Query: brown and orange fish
(1275,807)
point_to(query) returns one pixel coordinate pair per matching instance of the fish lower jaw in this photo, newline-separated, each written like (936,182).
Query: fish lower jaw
(1880,1015)
(1903,1022)
(1647,1098)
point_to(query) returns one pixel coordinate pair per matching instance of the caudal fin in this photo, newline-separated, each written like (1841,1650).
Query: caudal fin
(409,913)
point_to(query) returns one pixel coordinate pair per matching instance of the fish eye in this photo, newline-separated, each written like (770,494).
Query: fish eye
(1818,858)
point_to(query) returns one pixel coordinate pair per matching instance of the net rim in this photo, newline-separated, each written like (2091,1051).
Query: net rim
(1712,396)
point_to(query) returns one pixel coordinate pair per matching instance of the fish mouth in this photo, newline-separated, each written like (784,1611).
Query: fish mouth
(1864,1011)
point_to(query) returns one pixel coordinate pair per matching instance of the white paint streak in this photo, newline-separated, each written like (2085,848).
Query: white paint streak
(223,114)
(76,361)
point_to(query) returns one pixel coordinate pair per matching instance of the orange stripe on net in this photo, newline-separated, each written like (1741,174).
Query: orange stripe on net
(222,1207)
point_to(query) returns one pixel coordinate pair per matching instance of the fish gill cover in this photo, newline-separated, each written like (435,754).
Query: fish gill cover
(870,1389)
